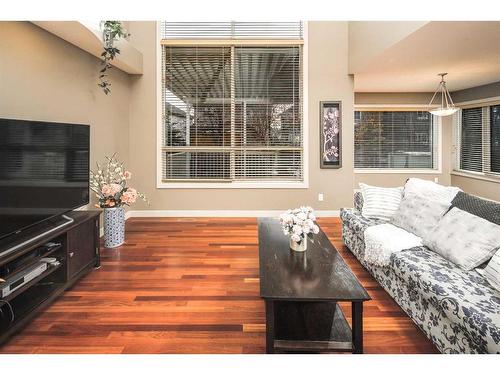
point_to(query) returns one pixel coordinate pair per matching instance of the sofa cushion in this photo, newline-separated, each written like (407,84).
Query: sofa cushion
(488,210)
(466,298)
(430,189)
(419,215)
(465,239)
(492,271)
(379,202)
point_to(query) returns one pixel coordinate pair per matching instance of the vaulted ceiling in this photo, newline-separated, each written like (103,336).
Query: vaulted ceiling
(468,51)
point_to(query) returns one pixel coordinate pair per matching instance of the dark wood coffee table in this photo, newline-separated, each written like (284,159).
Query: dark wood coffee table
(301,291)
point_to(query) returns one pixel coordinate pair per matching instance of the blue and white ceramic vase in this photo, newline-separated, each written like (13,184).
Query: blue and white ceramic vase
(114,226)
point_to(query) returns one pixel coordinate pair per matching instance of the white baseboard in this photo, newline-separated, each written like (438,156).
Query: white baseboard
(221,213)
(215,213)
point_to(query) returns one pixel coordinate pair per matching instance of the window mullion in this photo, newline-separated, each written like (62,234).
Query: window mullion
(458,139)
(486,140)
(233,116)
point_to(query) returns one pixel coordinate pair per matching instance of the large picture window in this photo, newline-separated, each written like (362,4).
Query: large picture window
(231,111)
(395,140)
(478,140)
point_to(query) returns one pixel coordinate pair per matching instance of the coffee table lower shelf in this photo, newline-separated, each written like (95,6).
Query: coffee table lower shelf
(308,327)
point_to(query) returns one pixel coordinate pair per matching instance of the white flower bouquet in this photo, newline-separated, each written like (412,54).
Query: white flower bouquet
(298,223)
(110,185)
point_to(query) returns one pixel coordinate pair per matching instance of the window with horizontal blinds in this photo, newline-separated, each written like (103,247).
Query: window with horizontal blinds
(232,113)
(478,140)
(231,30)
(471,140)
(395,140)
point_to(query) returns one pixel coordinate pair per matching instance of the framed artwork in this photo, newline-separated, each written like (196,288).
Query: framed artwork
(330,134)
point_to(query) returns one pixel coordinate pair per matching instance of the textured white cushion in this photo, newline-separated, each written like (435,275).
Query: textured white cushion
(383,240)
(492,271)
(419,215)
(430,190)
(464,239)
(380,203)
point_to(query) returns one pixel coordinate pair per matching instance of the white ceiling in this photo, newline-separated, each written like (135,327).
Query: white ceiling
(468,51)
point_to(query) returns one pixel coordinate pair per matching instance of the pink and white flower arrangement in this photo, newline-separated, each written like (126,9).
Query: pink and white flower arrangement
(110,185)
(298,223)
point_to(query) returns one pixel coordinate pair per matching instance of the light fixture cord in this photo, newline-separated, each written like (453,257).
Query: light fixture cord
(449,96)
(433,96)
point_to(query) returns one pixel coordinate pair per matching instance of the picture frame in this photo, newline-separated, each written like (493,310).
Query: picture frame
(330,134)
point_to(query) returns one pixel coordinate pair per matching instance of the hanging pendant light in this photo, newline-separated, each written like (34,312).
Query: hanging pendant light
(447,107)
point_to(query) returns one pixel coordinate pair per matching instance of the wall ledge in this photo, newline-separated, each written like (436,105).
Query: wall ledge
(89,39)
(476,176)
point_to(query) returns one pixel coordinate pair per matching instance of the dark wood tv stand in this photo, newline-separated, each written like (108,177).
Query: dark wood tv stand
(76,247)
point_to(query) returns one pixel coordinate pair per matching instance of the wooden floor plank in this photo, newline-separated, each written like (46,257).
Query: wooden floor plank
(190,285)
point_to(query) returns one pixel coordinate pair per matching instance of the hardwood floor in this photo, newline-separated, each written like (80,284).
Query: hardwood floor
(190,285)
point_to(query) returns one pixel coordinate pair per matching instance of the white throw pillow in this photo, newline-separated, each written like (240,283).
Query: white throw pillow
(464,239)
(430,190)
(380,203)
(492,271)
(419,215)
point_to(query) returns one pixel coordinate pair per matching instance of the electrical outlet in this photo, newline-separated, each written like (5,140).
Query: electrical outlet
(320,197)
(436,180)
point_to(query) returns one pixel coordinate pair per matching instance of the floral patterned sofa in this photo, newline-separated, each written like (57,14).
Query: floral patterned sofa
(458,310)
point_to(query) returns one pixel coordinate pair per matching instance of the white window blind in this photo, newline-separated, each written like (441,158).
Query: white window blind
(478,140)
(231,113)
(395,140)
(471,140)
(231,30)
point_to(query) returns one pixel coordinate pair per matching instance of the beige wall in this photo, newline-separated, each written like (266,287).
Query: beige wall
(388,98)
(491,90)
(42,77)
(481,188)
(398,179)
(328,80)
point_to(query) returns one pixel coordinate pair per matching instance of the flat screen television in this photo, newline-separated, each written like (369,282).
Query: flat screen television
(44,172)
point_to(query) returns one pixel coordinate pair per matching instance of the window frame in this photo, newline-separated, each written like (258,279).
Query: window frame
(486,134)
(304,184)
(404,108)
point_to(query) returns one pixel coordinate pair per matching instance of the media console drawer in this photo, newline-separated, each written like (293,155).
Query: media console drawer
(81,249)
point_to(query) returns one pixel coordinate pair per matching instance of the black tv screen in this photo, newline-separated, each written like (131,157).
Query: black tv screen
(44,171)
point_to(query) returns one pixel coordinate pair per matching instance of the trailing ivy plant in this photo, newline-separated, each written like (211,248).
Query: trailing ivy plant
(111,32)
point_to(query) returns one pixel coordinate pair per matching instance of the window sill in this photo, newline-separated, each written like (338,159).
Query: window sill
(397,171)
(232,185)
(476,176)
